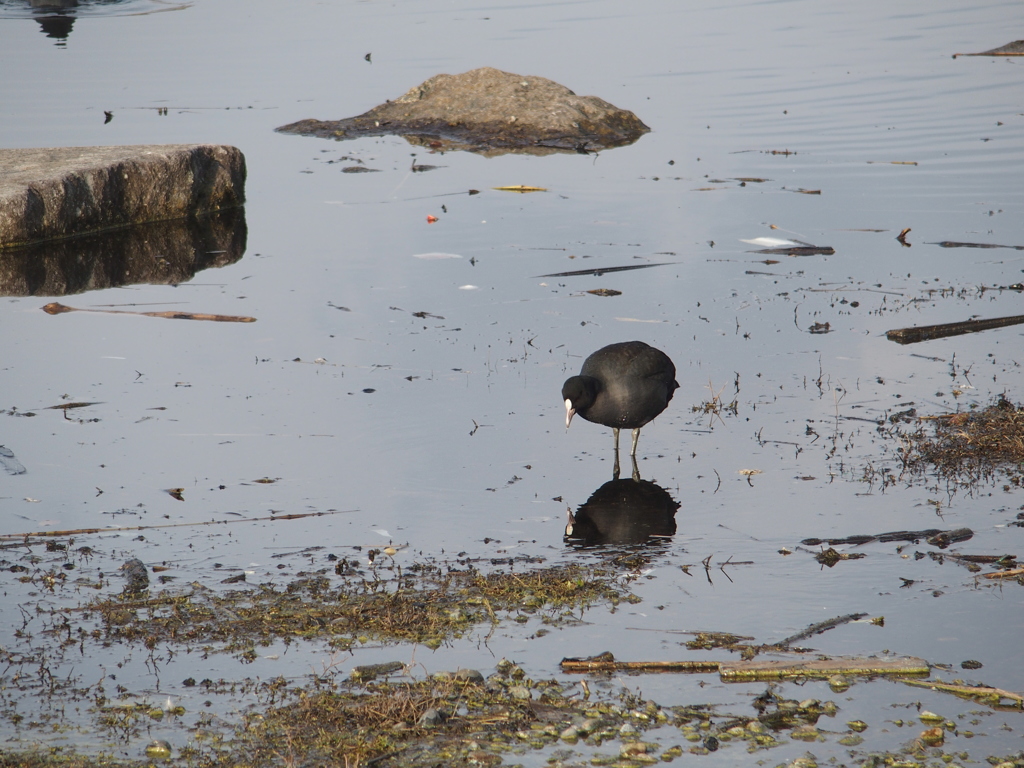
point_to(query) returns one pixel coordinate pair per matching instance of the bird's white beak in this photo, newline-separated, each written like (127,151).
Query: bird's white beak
(569,412)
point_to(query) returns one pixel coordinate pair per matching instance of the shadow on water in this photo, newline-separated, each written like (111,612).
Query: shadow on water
(57,17)
(161,253)
(623,512)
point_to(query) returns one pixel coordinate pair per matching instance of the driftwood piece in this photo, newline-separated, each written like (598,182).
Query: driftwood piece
(605,662)
(736,671)
(943,330)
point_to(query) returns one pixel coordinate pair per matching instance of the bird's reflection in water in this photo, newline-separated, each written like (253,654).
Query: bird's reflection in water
(623,512)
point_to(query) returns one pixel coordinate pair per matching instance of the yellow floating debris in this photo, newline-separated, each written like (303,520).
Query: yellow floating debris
(519,188)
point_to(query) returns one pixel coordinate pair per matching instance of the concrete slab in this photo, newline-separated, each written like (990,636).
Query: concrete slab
(47,194)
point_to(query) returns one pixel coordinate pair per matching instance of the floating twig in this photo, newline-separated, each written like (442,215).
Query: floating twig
(821,626)
(990,696)
(955,244)
(603,270)
(56,308)
(1005,574)
(1016,48)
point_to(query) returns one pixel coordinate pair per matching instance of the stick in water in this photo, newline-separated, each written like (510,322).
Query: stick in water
(55,308)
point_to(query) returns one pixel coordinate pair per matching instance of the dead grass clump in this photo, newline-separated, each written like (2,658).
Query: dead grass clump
(968,446)
(357,728)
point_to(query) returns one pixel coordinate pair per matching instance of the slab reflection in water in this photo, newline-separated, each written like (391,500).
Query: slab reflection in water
(161,253)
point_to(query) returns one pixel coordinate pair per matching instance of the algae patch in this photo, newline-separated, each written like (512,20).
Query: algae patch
(426,603)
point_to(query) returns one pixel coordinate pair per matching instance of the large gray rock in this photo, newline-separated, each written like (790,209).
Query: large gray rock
(63,192)
(490,112)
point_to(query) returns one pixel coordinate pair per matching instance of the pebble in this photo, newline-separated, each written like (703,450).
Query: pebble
(159,749)
(470,675)
(430,718)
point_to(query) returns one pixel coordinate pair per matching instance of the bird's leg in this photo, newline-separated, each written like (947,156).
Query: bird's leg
(615,472)
(636,437)
(636,471)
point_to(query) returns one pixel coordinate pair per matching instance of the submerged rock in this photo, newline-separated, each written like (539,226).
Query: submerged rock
(490,112)
(136,575)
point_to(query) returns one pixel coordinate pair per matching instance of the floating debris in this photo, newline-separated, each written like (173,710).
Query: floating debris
(955,244)
(603,270)
(830,557)
(519,188)
(778,246)
(959,534)
(56,308)
(1016,48)
(10,463)
(920,333)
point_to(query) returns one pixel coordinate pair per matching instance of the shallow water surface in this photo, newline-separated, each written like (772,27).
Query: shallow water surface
(417,399)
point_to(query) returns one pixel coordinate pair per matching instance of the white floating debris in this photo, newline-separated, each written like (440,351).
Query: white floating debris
(469,287)
(772,242)
(382,532)
(436,256)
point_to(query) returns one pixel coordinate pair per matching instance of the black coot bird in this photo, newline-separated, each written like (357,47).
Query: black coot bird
(622,385)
